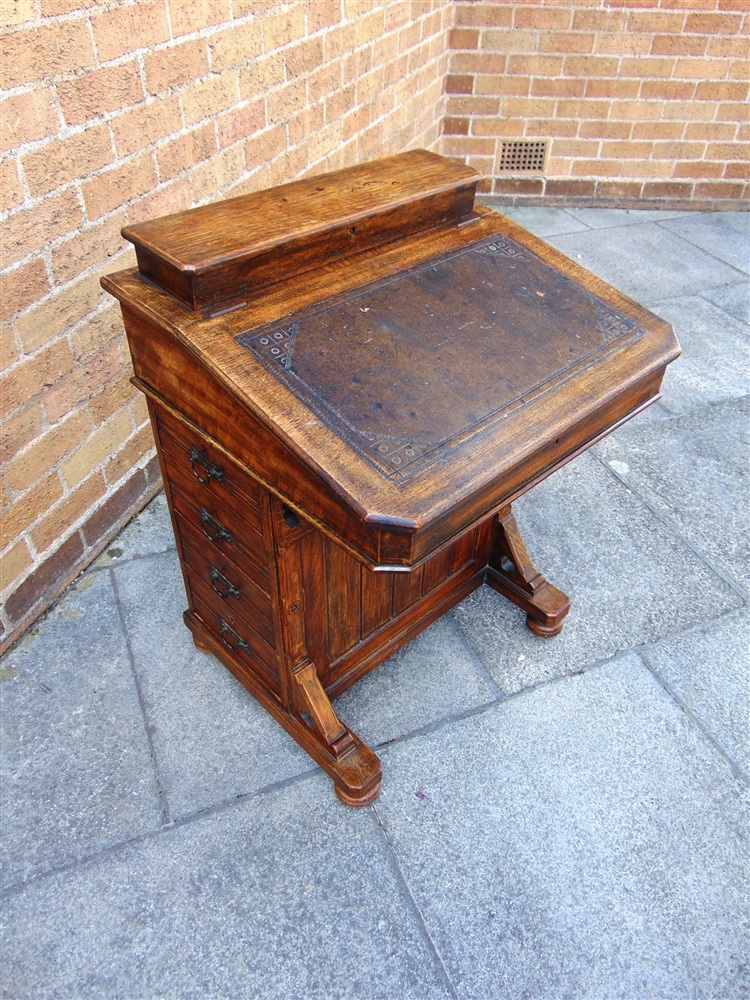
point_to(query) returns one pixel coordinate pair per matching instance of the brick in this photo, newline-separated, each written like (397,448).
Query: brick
(27,118)
(80,383)
(122,503)
(599,20)
(667,90)
(12,14)
(369,27)
(516,86)
(95,450)
(477,62)
(13,563)
(740,70)
(265,146)
(597,168)
(60,162)
(116,395)
(679,45)
(29,506)
(19,430)
(718,189)
(638,110)
(569,188)
(716,131)
(711,91)
(185,151)
(626,44)
(582,109)
(32,229)
(208,99)
(129,456)
(459,145)
(574,147)
(303,57)
(604,130)
(546,87)
(732,112)
(124,30)
(459,84)
(337,105)
(287,101)
(562,42)
(41,53)
(698,169)
(505,41)
(667,189)
(176,196)
(590,66)
(325,15)
(175,65)
(45,582)
(324,82)
(189,17)
(645,67)
(658,130)
(282,29)
(727,47)
(93,94)
(49,319)
(728,151)
(702,69)
(339,41)
(612,88)
(119,185)
(632,150)
(235,46)
(541,18)
(546,127)
(455,126)
(305,124)
(97,332)
(9,352)
(465,38)
(655,21)
(483,15)
(713,24)
(51,8)
(67,511)
(219,172)
(46,451)
(739,171)
(518,185)
(22,287)
(618,189)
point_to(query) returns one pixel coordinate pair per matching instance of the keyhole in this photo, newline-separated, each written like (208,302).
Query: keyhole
(290,518)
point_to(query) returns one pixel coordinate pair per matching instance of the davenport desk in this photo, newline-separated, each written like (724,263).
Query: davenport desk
(350,380)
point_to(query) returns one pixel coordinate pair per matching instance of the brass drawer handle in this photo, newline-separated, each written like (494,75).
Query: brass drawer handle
(201,463)
(230,638)
(221,585)
(213,531)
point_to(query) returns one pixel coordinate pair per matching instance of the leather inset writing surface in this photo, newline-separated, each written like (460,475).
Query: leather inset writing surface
(405,368)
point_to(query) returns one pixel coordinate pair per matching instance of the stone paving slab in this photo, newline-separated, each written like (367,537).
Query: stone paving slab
(580,840)
(629,577)
(715,361)
(694,470)
(646,262)
(436,676)
(211,739)
(734,299)
(610,218)
(77,774)
(289,896)
(725,235)
(542,222)
(146,534)
(707,670)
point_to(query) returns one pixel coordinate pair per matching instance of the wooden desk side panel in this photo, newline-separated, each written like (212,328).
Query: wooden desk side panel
(168,370)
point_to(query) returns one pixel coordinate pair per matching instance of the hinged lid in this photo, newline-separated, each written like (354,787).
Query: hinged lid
(228,250)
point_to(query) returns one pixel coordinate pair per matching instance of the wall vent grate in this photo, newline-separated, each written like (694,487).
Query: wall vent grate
(523,157)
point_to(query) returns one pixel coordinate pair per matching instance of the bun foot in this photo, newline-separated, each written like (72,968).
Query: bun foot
(358,803)
(545,631)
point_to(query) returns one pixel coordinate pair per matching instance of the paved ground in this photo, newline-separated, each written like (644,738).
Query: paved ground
(558,819)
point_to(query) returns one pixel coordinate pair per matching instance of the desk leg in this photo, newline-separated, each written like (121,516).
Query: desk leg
(512,573)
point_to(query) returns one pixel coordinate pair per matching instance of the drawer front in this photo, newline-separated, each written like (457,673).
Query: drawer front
(204,475)
(233,590)
(222,528)
(245,644)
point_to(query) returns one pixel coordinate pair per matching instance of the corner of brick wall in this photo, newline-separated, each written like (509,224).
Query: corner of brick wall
(643,102)
(121,111)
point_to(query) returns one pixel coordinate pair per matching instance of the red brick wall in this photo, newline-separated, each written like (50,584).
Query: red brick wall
(641,101)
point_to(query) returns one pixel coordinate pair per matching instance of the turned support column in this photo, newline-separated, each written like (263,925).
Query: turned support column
(512,573)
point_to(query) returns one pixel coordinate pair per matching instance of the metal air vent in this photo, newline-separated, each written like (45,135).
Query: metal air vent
(523,157)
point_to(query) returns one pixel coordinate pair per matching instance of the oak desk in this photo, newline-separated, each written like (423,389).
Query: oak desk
(350,379)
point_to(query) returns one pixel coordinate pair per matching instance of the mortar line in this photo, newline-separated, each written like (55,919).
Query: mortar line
(734,767)
(676,530)
(165,819)
(411,902)
(702,249)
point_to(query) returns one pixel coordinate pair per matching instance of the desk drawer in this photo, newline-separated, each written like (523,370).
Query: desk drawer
(205,475)
(220,527)
(232,589)
(237,636)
